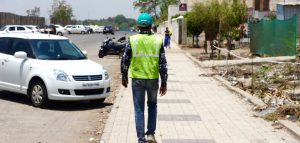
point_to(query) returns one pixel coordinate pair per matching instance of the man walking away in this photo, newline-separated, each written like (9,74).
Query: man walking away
(145,56)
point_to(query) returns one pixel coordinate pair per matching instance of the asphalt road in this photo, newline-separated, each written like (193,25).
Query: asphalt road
(62,122)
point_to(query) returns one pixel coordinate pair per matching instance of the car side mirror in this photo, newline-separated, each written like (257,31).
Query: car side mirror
(85,53)
(20,55)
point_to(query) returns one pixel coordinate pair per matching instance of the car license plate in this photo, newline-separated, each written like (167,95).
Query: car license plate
(90,84)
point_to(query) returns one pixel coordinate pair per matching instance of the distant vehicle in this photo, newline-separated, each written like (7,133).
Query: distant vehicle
(79,29)
(15,29)
(34,28)
(43,28)
(60,30)
(89,29)
(108,30)
(68,27)
(99,29)
(54,29)
(45,67)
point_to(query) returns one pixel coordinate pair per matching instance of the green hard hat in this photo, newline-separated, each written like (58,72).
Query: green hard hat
(144,20)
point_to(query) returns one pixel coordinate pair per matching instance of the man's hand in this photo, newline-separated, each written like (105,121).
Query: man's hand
(125,83)
(163,90)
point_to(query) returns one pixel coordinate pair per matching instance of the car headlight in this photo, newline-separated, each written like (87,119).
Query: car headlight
(106,75)
(61,75)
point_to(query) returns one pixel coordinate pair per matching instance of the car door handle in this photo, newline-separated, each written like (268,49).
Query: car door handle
(6,60)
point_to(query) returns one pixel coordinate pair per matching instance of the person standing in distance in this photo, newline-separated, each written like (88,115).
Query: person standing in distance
(167,38)
(145,57)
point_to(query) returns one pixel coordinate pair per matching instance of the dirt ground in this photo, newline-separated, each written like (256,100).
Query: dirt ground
(274,84)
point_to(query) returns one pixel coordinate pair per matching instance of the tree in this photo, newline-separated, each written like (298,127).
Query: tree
(120,19)
(34,12)
(195,21)
(154,7)
(234,14)
(63,12)
(164,8)
(149,6)
(217,18)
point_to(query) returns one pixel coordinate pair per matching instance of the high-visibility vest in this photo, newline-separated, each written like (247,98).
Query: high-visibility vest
(144,63)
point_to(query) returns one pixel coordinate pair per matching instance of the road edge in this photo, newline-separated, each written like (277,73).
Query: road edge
(111,119)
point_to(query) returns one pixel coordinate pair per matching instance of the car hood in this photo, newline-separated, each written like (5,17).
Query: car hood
(74,67)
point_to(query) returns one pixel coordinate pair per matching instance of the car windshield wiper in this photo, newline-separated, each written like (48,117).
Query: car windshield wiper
(63,58)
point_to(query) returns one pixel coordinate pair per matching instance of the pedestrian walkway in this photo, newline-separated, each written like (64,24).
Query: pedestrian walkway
(196,109)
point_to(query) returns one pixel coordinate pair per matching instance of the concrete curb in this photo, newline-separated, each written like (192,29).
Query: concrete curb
(110,121)
(252,99)
(291,127)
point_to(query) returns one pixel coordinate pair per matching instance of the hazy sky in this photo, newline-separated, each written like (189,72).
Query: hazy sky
(82,9)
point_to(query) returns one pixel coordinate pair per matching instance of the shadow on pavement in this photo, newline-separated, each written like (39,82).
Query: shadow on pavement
(54,105)
(76,105)
(13,97)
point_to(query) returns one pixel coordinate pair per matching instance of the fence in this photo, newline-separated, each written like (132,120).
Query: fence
(274,37)
(13,19)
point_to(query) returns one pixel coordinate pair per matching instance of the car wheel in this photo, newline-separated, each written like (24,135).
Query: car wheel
(69,32)
(101,54)
(38,94)
(82,32)
(60,34)
(97,101)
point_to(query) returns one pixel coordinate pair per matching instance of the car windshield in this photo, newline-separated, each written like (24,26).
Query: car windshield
(56,50)
(3,28)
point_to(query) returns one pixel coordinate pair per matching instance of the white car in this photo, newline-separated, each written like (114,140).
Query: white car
(33,28)
(49,67)
(15,29)
(77,29)
(60,30)
(99,29)
(68,27)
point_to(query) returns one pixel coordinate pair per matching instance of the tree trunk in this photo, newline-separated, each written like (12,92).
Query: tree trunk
(229,47)
(212,49)
(205,45)
(193,41)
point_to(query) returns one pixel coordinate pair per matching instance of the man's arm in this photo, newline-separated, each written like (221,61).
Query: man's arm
(125,63)
(163,70)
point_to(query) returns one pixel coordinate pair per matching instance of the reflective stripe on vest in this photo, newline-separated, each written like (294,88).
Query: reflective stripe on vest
(145,56)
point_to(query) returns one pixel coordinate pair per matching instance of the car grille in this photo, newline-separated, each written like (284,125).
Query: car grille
(88,78)
(88,91)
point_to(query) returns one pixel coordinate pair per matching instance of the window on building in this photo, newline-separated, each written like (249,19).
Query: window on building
(266,5)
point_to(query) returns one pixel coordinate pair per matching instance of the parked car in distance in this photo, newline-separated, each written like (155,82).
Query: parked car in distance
(34,28)
(77,29)
(68,27)
(108,30)
(99,29)
(45,67)
(15,29)
(60,30)
(54,29)
(89,29)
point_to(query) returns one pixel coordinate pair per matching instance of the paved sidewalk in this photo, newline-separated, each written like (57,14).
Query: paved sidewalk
(196,109)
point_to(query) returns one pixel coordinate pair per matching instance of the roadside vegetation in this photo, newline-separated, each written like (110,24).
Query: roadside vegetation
(277,85)
(218,20)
